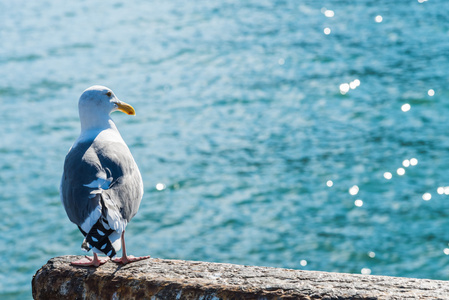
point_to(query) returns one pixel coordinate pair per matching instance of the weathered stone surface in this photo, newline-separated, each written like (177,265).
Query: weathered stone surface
(174,279)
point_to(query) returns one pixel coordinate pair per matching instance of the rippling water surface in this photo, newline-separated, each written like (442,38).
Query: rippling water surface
(267,132)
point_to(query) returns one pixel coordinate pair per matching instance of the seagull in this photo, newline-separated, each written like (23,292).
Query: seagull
(101,186)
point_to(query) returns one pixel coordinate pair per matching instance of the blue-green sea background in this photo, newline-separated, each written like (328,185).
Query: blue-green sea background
(247,145)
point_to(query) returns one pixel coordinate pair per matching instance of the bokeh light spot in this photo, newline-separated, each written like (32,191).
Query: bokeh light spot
(400,171)
(366,271)
(329,13)
(354,190)
(160,186)
(405,107)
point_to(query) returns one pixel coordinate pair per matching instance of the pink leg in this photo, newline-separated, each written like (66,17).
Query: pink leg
(125,259)
(89,261)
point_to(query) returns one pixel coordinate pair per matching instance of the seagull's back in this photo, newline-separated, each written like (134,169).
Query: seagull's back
(103,165)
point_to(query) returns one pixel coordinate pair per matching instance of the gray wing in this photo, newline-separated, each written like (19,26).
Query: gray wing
(126,189)
(105,169)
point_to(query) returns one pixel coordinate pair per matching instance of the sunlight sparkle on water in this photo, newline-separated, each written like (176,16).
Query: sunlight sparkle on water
(400,171)
(327,31)
(405,107)
(354,190)
(426,196)
(371,254)
(345,87)
(413,162)
(358,203)
(160,186)
(406,163)
(431,92)
(446,190)
(303,262)
(366,271)
(388,175)
(354,84)
(446,251)
(378,19)
(443,190)
(329,183)
(329,13)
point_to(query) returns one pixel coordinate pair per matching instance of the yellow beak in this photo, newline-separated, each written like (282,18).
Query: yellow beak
(126,108)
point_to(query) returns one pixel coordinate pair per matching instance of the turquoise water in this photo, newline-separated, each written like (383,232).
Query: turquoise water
(248,136)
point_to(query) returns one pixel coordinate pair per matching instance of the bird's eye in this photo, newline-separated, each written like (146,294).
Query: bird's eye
(109,94)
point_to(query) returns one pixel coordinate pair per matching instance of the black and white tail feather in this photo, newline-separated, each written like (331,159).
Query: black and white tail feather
(98,237)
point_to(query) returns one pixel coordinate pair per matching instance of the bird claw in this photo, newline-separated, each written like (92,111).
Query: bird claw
(89,261)
(129,259)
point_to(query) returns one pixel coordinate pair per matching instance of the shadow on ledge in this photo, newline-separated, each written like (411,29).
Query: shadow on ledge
(176,279)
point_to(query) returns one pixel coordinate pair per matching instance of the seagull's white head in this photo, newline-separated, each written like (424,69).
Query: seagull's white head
(95,105)
(103,100)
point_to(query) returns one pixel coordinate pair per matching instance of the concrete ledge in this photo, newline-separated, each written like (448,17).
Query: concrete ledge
(174,279)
